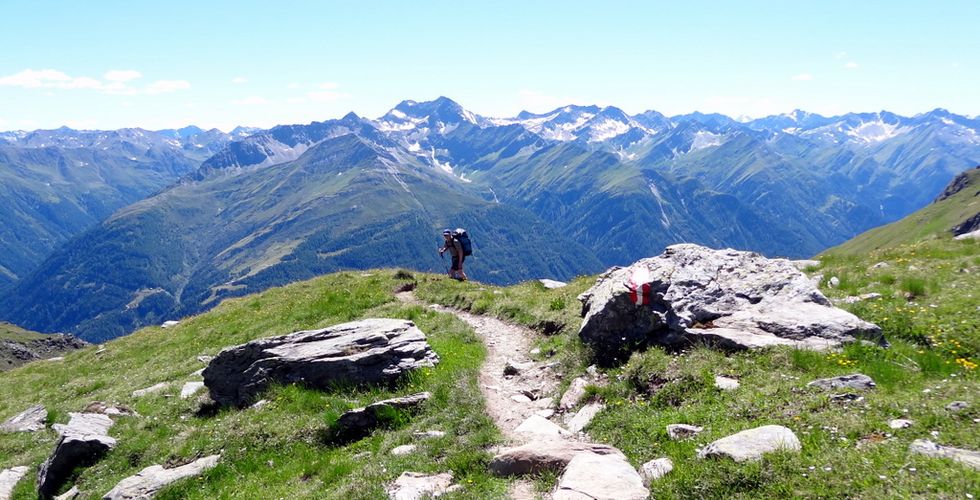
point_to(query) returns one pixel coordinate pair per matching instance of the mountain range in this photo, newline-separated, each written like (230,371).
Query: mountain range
(544,195)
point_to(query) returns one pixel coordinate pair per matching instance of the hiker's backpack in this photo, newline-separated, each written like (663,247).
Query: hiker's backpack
(464,241)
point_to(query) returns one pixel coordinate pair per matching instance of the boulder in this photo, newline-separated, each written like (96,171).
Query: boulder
(682,431)
(857,381)
(539,426)
(972,235)
(690,293)
(552,284)
(655,469)
(415,486)
(359,422)
(584,416)
(147,482)
(752,444)
(29,420)
(83,441)
(9,479)
(968,458)
(957,406)
(370,351)
(600,477)
(543,455)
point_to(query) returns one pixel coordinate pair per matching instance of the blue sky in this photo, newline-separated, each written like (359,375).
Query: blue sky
(111,64)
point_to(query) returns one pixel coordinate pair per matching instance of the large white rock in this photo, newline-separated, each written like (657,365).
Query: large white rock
(543,455)
(190,389)
(574,395)
(753,443)
(552,284)
(370,351)
(29,420)
(415,486)
(972,235)
(691,293)
(9,479)
(590,476)
(968,458)
(150,390)
(82,442)
(147,482)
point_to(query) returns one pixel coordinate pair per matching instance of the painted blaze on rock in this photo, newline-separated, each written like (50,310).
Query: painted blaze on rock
(370,351)
(730,298)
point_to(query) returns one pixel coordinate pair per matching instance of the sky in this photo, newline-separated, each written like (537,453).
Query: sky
(112,64)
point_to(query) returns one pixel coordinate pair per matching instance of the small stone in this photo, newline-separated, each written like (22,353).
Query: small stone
(169,324)
(546,413)
(682,431)
(833,282)
(520,398)
(539,426)
(899,423)
(552,284)
(753,443)
(957,406)
(71,494)
(535,351)
(726,383)
(429,434)
(404,449)
(853,381)
(359,422)
(584,416)
(881,265)
(205,359)
(655,469)
(259,404)
(574,395)
(147,482)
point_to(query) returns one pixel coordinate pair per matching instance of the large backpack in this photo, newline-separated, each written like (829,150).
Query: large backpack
(464,241)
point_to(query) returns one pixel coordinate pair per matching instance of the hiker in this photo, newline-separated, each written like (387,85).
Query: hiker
(456,250)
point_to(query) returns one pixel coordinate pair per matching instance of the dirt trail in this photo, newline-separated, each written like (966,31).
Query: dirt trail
(510,399)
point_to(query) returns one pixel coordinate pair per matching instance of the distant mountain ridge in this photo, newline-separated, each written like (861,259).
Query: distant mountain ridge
(552,194)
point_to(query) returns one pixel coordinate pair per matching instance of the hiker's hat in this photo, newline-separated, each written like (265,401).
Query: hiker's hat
(446,231)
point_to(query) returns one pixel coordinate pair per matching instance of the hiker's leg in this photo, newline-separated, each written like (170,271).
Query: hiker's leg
(462,273)
(454,271)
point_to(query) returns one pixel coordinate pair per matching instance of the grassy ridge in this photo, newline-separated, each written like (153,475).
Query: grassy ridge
(277,451)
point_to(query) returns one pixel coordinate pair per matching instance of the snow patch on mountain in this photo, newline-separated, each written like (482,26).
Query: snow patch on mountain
(704,139)
(607,129)
(876,131)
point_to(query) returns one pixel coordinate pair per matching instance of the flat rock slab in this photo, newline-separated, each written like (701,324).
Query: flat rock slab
(29,420)
(655,469)
(359,422)
(682,431)
(968,458)
(536,425)
(692,293)
(574,395)
(589,476)
(857,381)
(552,284)
(584,416)
(415,486)
(110,410)
(83,441)
(147,482)
(150,390)
(190,389)
(9,479)
(543,455)
(752,444)
(370,351)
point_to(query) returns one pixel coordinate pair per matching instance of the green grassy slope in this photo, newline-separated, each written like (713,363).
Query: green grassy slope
(276,451)
(933,221)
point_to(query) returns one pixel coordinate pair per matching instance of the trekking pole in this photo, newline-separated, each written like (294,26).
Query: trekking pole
(444,263)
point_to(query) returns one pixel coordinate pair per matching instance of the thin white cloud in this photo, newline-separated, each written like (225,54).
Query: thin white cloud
(164,86)
(840,55)
(803,77)
(253,100)
(116,82)
(328,93)
(122,75)
(238,80)
(852,65)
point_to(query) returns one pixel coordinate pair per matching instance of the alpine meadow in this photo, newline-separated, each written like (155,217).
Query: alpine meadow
(612,252)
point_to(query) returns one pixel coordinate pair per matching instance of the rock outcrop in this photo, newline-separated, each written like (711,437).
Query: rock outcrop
(725,297)
(752,444)
(83,441)
(968,458)
(147,482)
(9,479)
(362,352)
(857,381)
(543,455)
(359,422)
(29,420)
